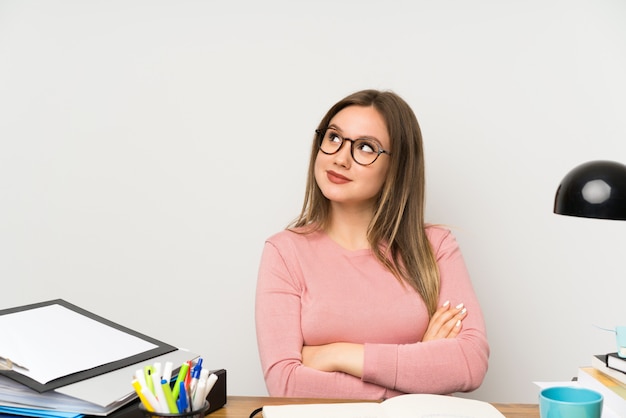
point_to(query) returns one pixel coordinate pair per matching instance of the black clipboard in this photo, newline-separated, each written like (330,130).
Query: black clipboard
(162,348)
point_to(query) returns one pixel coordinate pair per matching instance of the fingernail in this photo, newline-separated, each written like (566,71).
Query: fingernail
(458,323)
(446,303)
(463,311)
(459,306)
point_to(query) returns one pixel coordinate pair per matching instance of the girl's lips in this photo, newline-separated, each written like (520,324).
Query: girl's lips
(336,177)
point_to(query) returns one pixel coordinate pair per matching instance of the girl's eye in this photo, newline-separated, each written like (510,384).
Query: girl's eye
(333,137)
(367,147)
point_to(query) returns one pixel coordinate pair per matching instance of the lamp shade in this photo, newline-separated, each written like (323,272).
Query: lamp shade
(596,189)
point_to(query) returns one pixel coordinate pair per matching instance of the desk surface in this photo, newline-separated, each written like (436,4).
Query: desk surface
(242,406)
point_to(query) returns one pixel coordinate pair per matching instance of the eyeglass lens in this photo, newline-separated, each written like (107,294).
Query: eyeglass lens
(364,151)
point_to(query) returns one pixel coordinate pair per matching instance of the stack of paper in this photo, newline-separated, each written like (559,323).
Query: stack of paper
(15,396)
(64,361)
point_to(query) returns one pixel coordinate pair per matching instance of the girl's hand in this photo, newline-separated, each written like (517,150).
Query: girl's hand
(445,323)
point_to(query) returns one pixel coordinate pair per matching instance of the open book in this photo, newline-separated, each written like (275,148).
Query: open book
(403,406)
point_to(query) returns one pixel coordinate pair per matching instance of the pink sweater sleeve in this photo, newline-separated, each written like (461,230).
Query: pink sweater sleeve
(442,366)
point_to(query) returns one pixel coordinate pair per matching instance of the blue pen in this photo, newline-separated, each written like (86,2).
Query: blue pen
(195,375)
(183,401)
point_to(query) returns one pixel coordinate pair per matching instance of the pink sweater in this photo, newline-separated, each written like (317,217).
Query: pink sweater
(312,291)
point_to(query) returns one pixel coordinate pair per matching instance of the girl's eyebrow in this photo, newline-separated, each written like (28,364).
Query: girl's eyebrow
(337,128)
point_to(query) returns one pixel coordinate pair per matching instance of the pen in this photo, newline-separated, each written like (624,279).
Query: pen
(195,375)
(197,400)
(204,374)
(167,392)
(182,375)
(211,380)
(203,389)
(200,386)
(141,395)
(183,401)
(8,364)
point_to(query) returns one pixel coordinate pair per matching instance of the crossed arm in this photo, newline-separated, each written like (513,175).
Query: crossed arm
(349,357)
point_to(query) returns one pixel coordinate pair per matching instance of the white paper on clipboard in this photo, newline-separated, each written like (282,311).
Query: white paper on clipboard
(53,341)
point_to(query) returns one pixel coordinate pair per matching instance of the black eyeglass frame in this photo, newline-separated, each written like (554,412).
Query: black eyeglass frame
(322,133)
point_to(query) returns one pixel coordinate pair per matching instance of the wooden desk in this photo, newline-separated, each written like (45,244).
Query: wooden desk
(242,406)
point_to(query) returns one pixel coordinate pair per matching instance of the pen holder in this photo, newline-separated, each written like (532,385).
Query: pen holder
(199,413)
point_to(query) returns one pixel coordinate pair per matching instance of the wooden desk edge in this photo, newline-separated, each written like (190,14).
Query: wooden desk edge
(242,406)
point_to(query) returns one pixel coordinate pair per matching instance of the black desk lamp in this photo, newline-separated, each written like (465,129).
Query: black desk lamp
(596,189)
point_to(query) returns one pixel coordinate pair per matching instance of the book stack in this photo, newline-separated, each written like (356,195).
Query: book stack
(607,375)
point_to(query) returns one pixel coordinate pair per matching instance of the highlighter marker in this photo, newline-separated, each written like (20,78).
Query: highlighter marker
(188,376)
(148,372)
(144,400)
(167,392)
(182,375)
(141,378)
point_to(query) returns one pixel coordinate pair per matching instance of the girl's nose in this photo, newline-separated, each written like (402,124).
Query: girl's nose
(343,157)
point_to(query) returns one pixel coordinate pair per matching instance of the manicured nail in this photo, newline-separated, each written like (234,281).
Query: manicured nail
(463,311)
(458,323)
(446,303)
(459,306)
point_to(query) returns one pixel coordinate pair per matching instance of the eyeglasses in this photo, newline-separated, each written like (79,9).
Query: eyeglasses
(364,151)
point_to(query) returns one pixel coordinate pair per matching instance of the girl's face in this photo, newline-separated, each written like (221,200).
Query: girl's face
(340,178)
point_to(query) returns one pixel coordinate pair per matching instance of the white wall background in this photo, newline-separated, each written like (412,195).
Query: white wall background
(147,148)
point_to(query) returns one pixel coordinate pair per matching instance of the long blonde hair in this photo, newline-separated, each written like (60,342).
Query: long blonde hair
(396,232)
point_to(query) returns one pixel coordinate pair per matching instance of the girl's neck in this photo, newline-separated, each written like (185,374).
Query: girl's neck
(348,227)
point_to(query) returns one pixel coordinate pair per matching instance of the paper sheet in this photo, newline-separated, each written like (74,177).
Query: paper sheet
(54,341)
